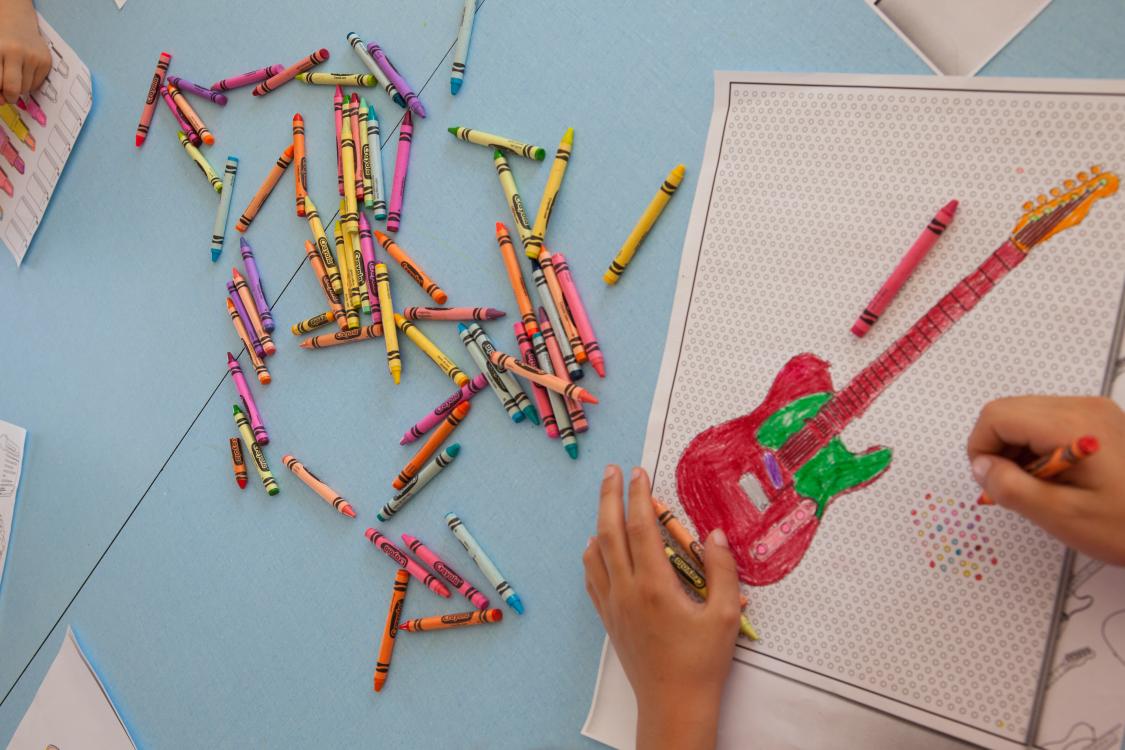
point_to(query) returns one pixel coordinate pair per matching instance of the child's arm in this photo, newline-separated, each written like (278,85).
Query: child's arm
(676,651)
(1084,506)
(25,60)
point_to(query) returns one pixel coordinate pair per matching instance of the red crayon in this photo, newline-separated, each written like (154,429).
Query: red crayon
(904,269)
(150,98)
(287,75)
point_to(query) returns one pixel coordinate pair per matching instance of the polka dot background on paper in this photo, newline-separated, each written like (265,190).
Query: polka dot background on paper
(818,193)
(953,539)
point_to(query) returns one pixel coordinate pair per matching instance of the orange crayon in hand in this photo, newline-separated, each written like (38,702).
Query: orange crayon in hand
(390,629)
(1056,462)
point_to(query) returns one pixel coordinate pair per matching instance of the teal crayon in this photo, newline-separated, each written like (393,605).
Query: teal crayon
(418,481)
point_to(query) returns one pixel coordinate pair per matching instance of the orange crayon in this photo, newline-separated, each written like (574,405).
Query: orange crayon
(459,620)
(326,286)
(314,483)
(390,629)
(267,187)
(301,173)
(259,365)
(243,291)
(1056,462)
(190,114)
(535,375)
(682,537)
(570,330)
(515,279)
(239,463)
(443,431)
(288,74)
(413,270)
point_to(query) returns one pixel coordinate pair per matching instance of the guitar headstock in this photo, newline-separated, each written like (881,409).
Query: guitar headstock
(1066,207)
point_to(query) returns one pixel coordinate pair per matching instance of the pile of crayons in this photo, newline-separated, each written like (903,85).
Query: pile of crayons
(14,122)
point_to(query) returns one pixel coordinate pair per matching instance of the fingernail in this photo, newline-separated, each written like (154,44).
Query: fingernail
(610,471)
(718,537)
(636,473)
(981,465)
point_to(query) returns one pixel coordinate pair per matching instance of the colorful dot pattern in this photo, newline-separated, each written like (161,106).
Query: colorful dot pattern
(954,538)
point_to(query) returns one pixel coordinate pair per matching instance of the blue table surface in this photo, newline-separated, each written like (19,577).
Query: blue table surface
(221,618)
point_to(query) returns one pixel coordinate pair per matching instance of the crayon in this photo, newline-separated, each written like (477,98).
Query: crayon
(418,481)
(243,290)
(349,217)
(578,313)
(458,620)
(443,431)
(338,114)
(351,313)
(11,117)
(905,268)
(385,546)
(682,537)
(573,369)
(359,271)
(461,47)
(492,373)
(364,138)
(353,112)
(201,162)
(322,246)
(387,311)
(398,186)
(550,195)
(413,268)
(12,156)
(550,382)
(254,279)
(555,292)
(259,364)
(378,184)
(346,336)
(301,171)
(246,79)
(7,187)
(452,313)
(542,399)
(195,89)
(244,319)
(464,393)
(558,404)
(302,65)
(223,211)
(238,462)
(413,103)
(487,567)
(188,130)
(317,266)
(268,481)
(190,114)
(655,207)
(360,48)
(512,197)
(367,254)
(443,569)
(32,108)
(390,629)
(311,324)
(266,188)
(574,409)
(150,98)
(515,278)
(248,403)
(315,484)
(481,138)
(511,385)
(431,350)
(698,583)
(338,79)
(1056,462)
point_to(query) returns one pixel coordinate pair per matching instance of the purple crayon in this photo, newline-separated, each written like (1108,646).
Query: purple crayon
(188,87)
(403,561)
(413,103)
(247,397)
(367,252)
(246,79)
(256,291)
(189,131)
(444,409)
(245,318)
(439,566)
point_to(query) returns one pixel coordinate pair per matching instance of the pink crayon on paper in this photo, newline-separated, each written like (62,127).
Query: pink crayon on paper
(8,151)
(189,131)
(279,79)
(248,403)
(444,409)
(32,108)
(246,79)
(929,237)
(542,400)
(578,313)
(367,253)
(413,103)
(451,576)
(402,163)
(573,409)
(195,89)
(385,546)
(244,316)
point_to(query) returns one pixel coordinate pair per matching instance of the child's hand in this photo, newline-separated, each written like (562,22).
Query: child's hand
(676,651)
(1084,506)
(25,59)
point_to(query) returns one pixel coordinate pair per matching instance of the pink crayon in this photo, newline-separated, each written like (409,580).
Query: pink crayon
(542,400)
(878,304)
(244,316)
(278,79)
(195,89)
(402,162)
(338,109)
(358,152)
(578,313)
(573,409)
(385,546)
(439,566)
(32,108)
(444,409)
(247,397)
(367,252)
(8,151)
(245,79)
(413,103)
(189,131)
(6,185)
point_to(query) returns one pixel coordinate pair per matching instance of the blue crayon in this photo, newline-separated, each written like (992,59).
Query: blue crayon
(220,232)
(487,567)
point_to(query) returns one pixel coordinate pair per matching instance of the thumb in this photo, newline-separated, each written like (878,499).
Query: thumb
(721,572)
(1008,485)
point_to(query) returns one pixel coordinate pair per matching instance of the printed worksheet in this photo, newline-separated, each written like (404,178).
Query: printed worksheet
(12,440)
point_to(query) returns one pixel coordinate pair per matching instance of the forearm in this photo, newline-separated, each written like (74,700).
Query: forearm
(687,725)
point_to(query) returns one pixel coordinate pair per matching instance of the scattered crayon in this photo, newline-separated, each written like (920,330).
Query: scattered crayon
(390,629)
(359,271)
(418,481)
(1056,462)
(398,186)
(322,246)
(347,336)
(443,431)
(243,291)
(378,184)
(412,268)
(317,266)
(311,324)
(368,61)
(413,103)
(351,305)
(248,403)
(578,313)
(511,385)
(246,79)
(550,195)
(542,398)
(301,171)
(338,79)
(349,217)
(201,162)
(695,579)
(385,546)
(223,211)
(353,113)
(364,138)
(387,311)
(266,188)
(459,620)
(487,567)
(574,409)
(655,207)
(150,99)
(550,382)
(431,350)
(188,130)
(556,294)
(461,47)
(367,253)
(302,65)
(515,278)
(464,393)
(443,569)
(195,89)
(12,156)
(268,481)
(238,462)
(452,313)
(512,196)
(244,319)
(255,359)
(254,279)
(558,403)
(190,114)
(573,368)
(481,138)
(492,373)
(314,483)
(338,114)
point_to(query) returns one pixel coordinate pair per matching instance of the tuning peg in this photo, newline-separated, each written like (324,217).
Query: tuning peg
(1069,184)
(1028,206)
(1041,199)
(1055,192)
(1096,169)
(1082,176)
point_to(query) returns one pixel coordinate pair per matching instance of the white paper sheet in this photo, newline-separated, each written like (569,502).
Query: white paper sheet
(12,440)
(957,37)
(811,189)
(71,709)
(65,97)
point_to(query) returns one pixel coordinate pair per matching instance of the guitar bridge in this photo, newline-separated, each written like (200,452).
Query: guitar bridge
(779,532)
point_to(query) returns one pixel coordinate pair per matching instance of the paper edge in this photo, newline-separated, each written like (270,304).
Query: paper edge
(73,637)
(586,729)
(15,503)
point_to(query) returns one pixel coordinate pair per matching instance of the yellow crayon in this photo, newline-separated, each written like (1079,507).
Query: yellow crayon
(11,117)
(337,79)
(347,296)
(550,194)
(512,196)
(322,247)
(390,333)
(447,365)
(311,324)
(359,275)
(698,584)
(349,217)
(644,224)
(201,161)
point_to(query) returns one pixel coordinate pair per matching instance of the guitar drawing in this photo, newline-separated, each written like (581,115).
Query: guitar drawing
(768,477)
